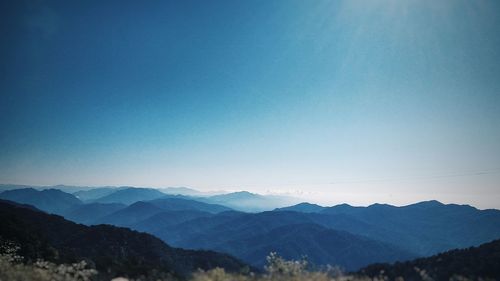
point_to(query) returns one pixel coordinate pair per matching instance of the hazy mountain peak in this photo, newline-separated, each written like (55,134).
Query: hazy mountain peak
(344,205)
(238,195)
(131,195)
(181,190)
(304,207)
(430,203)
(381,205)
(309,204)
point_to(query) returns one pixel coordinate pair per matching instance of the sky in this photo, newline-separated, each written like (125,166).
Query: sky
(332,101)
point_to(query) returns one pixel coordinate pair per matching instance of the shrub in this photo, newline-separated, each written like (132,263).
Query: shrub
(12,269)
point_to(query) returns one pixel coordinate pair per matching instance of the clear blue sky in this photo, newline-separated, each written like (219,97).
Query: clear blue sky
(340,101)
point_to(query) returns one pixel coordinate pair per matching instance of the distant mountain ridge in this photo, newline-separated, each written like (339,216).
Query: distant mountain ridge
(241,200)
(50,200)
(181,191)
(95,193)
(179,204)
(130,195)
(303,207)
(143,210)
(130,214)
(161,221)
(425,228)
(89,213)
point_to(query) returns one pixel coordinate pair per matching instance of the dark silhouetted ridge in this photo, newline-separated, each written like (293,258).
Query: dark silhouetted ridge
(475,263)
(114,251)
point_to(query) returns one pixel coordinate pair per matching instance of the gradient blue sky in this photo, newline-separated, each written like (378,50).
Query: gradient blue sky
(336,101)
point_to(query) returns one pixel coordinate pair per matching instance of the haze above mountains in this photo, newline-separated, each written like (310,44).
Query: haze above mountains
(250,226)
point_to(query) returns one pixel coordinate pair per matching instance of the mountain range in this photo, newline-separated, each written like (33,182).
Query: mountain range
(349,236)
(241,200)
(423,228)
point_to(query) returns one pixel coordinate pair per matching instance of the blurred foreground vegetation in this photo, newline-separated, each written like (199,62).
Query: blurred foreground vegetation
(13,268)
